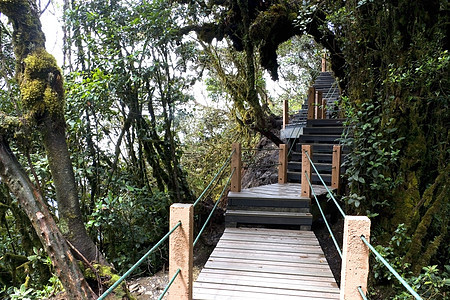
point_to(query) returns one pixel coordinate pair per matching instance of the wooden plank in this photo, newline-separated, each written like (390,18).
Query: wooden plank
(264,290)
(286,214)
(271,232)
(269,269)
(252,255)
(322,281)
(274,248)
(252,280)
(213,294)
(271,239)
(265,262)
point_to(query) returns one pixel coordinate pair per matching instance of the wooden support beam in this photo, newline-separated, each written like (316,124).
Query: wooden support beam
(283,161)
(355,257)
(285,113)
(306,167)
(324,109)
(311,97)
(336,168)
(318,105)
(181,251)
(236,165)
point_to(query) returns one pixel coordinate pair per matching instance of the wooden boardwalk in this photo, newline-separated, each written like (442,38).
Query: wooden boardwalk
(257,263)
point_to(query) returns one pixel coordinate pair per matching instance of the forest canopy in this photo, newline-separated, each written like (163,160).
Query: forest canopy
(107,141)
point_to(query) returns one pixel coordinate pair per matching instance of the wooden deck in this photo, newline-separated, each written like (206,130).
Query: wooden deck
(256,263)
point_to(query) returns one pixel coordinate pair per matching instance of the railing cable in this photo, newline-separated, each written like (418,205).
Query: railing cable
(324,218)
(214,208)
(169,284)
(326,187)
(215,177)
(361,292)
(127,273)
(381,258)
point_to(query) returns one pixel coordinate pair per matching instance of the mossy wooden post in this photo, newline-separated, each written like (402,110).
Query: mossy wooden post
(306,168)
(285,113)
(318,105)
(181,251)
(236,165)
(282,168)
(324,109)
(336,168)
(311,97)
(355,257)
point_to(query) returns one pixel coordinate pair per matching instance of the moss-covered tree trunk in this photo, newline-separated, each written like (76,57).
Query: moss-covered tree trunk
(42,95)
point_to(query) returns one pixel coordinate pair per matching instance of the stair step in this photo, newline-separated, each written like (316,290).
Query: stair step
(334,130)
(295,177)
(248,201)
(317,138)
(267,217)
(317,157)
(296,166)
(325,122)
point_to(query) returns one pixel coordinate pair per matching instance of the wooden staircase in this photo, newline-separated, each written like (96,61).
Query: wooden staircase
(275,204)
(322,134)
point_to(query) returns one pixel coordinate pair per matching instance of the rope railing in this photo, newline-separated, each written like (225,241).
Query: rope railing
(215,177)
(214,208)
(127,273)
(323,183)
(169,284)
(361,292)
(381,258)
(324,218)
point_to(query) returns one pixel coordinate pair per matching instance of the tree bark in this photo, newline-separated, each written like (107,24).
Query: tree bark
(53,241)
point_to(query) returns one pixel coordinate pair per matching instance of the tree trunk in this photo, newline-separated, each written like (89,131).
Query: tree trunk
(42,95)
(53,241)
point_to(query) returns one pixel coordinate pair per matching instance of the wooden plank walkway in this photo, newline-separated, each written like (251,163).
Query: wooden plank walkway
(262,264)
(276,190)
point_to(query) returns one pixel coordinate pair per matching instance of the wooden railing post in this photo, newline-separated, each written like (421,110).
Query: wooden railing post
(324,108)
(181,251)
(236,165)
(285,113)
(324,62)
(355,257)
(311,98)
(282,167)
(306,167)
(336,168)
(318,105)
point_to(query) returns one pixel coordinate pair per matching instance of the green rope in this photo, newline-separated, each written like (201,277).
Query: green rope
(170,283)
(324,218)
(127,273)
(214,208)
(215,177)
(381,258)
(361,292)
(326,187)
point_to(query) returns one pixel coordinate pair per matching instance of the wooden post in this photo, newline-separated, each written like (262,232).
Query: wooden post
(318,105)
(236,165)
(282,168)
(324,108)
(324,62)
(355,257)
(181,251)
(336,168)
(285,113)
(306,167)
(311,97)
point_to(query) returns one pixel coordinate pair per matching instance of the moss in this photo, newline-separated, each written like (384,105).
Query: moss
(41,85)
